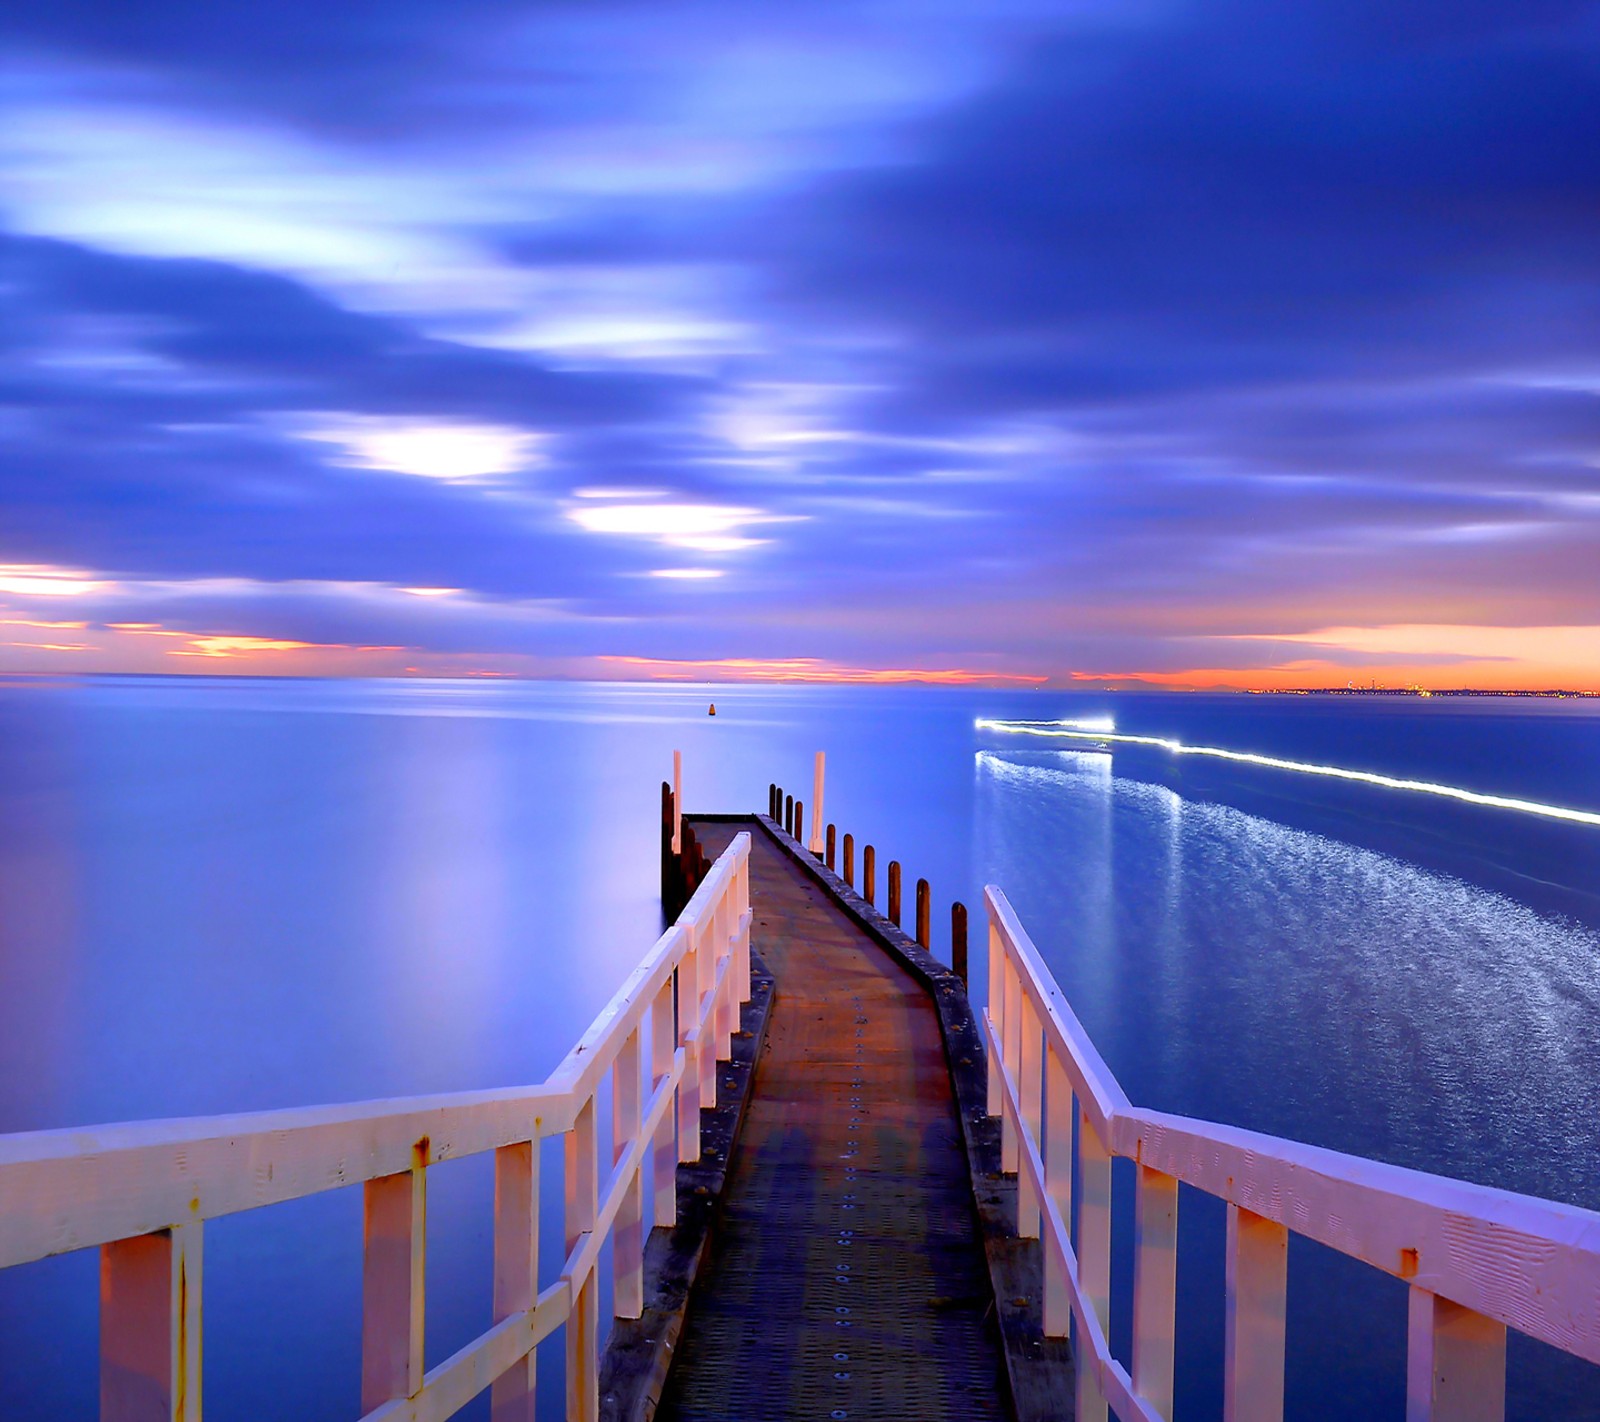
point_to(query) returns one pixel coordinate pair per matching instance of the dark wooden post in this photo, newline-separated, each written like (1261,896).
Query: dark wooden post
(800,821)
(894,892)
(923,898)
(772,802)
(850,860)
(958,940)
(869,866)
(788,814)
(827,857)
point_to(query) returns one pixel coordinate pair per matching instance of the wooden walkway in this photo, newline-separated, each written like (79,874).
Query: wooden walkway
(846,1276)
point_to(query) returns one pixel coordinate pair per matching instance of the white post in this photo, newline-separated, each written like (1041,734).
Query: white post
(1030,1095)
(582,1182)
(150,1326)
(677,802)
(815,845)
(1455,1364)
(516,1269)
(627,1233)
(393,1276)
(997,1013)
(1155,1284)
(664,1161)
(1257,1286)
(1094,1253)
(1058,1185)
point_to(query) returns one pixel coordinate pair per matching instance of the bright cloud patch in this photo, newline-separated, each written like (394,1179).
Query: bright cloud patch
(42,580)
(709,528)
(428,449)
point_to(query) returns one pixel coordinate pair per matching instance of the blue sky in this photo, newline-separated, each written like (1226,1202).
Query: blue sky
(1239,342)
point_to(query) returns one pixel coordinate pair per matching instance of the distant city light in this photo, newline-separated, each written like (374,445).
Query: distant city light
(1061,730)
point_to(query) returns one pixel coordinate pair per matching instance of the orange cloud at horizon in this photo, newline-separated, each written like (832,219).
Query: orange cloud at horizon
(811,669)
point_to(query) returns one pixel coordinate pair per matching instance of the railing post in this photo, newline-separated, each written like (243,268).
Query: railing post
(850,860)
(627,1238)
(1257,1286)
(663,1156)
(150,1327)
(894,892)
(727,952)
(1455,1362)
(1058,1185)
(677,801)
(997,1012)
(705,958)
(688,1016)
(1011,1056)
(392,1279)
(582,1181)
(1155,1283)
(516,1269)
(1094,1252)
(924,912)
(958,940)
(828,850)
(741,911)
(816,806)
(869,873)
(1030,1095)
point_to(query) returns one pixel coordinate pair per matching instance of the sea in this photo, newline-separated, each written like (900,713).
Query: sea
(224,895)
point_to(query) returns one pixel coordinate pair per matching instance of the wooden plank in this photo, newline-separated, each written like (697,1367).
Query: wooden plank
(1455,1363)
(150,1327)
(1155,1287)
(1257,1277)
(850,1157)
(393,1276)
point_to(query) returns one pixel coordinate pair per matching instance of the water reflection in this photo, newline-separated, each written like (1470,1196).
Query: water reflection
(1394,1011)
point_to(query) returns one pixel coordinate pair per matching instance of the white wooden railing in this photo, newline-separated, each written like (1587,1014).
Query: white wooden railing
(1477,1259)
(140,1192)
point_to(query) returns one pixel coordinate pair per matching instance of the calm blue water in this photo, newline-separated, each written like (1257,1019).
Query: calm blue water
(234,895)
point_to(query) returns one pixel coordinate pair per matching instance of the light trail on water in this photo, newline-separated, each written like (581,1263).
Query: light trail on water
(1103,730)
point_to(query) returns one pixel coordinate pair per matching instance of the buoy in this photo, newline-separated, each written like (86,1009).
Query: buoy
(713,710)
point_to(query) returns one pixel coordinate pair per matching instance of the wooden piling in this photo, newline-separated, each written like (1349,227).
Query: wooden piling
(827,857)
(800,820)
(772,802)
(958,940)
(924,896)
(894,892)
(869,866)
(850,860)
(788,814)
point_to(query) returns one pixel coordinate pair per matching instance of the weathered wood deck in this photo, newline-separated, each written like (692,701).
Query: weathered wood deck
(846,1275)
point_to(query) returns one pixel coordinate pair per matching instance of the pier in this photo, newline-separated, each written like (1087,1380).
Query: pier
(815,1180)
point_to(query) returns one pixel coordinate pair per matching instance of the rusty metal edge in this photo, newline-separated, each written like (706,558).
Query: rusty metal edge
(1039,1370)
(639,1351)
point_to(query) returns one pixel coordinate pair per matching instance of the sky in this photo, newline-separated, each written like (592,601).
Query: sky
(1122,344)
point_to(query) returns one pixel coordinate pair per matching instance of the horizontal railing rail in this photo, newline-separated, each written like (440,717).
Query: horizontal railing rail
(141,1191)
(1477,1259)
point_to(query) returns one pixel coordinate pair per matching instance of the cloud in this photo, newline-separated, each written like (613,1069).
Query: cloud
(1045,338)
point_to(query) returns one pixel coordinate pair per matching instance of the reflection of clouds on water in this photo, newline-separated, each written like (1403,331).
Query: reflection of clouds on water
(1283,980)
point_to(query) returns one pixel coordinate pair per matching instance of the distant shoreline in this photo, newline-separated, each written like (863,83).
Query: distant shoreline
(1555,694)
